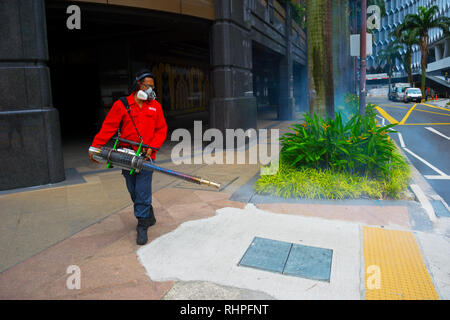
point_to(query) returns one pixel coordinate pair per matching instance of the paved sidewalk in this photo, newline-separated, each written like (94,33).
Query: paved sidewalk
(89,222)
(439,103)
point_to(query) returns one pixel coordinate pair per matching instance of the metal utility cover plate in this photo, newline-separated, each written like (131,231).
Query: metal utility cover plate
(289,259)
(309,262)
(266,254)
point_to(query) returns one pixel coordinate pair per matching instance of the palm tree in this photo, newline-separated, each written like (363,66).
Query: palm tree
(320,57)
(421,23)
(388,56)
(409,38)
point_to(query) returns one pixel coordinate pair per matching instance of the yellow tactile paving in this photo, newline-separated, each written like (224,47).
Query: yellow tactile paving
(394,257)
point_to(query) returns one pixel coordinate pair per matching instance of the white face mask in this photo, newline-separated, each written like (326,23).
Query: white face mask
(149,94)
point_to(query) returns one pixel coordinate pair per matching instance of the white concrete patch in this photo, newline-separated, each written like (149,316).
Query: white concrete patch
(210,250)
(435,251)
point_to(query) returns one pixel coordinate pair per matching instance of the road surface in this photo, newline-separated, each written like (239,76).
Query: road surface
(424,135)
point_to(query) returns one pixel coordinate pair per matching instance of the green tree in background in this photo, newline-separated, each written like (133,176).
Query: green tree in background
(388,56)
(420,24)
(409,38)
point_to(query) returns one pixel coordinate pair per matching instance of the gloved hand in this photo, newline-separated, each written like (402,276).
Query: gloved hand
(148,152)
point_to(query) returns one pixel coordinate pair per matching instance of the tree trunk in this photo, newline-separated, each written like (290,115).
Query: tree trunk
(423,60)
(408,65)
(320,62)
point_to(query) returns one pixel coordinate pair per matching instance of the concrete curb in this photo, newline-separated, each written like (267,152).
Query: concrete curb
(424,201)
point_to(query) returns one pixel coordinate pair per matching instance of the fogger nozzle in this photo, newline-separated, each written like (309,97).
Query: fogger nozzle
(130,161)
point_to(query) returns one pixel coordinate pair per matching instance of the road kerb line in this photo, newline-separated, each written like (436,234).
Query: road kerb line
(425,162)
(429,105)
(439,113)
(426,204)
(402,143)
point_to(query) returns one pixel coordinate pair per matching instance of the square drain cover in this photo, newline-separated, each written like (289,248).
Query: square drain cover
(289,259)
(309,262)
(266,254)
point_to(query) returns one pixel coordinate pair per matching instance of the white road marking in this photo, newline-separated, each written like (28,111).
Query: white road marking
(426,162)
(382,120)
(437,132)
(437,177)
(402,143)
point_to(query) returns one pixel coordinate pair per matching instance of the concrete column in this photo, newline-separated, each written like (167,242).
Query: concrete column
(233,104)
(446,48)
(286,101)
(30,143)
(437,52)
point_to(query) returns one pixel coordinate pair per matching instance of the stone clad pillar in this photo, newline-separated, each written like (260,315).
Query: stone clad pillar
(233,104)
(286,99)
(30,142)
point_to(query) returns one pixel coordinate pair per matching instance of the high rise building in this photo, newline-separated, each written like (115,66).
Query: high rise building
(439,47)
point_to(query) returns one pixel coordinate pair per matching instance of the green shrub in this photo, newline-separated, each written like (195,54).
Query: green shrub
(358,147)
(312,183)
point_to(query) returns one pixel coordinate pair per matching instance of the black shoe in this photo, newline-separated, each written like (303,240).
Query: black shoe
(151,217)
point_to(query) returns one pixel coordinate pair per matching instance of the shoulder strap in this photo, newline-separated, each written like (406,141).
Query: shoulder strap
(124,101)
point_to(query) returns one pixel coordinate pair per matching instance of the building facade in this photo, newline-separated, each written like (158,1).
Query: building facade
(439,47)
(220,61)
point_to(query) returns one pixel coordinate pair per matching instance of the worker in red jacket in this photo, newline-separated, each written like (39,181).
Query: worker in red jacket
(141,116)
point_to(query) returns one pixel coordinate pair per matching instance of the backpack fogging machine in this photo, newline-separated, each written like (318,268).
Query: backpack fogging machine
(126,159)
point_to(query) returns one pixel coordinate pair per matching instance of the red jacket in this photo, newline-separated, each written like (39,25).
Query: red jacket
(149,121)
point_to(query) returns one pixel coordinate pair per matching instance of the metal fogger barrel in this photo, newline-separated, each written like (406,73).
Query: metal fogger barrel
(126,160)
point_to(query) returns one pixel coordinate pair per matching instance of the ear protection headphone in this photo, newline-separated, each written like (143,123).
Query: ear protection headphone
(145,75)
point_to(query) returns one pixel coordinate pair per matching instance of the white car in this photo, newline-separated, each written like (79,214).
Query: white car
(400,93)
(412,94)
